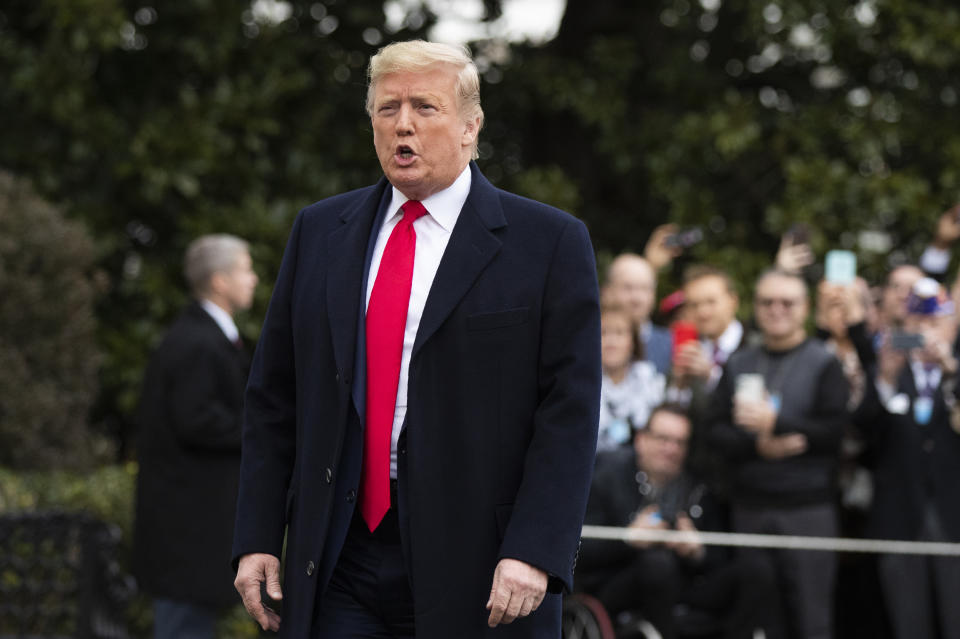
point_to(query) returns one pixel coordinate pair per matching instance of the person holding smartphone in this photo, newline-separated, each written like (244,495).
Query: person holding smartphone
(776,417)
(911,423)
(644,487)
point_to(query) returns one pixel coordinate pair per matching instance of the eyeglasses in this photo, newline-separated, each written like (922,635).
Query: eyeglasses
(787,303)
(666,439)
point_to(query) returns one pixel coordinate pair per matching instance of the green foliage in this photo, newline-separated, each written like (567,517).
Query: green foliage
(742,117)
(153,125)
(48,351)
(107,493)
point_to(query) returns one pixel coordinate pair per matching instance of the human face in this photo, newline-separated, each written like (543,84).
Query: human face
(712,306)
(939,334)
(894,299)
(781,309)
(422,141)
(662,445)
(616,341)
(633,285)
(238,284)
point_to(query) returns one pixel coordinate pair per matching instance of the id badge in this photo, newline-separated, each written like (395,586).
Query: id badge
(776,402)
(923,410)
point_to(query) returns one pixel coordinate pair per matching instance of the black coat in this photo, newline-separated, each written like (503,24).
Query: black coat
(189,453)
(913,464)
(496,453)
(617,493)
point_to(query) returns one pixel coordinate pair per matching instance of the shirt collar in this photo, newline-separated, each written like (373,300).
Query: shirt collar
(222,318)
(730,339)
(443,206)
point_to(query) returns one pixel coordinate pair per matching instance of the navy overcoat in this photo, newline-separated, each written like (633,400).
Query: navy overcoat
(497,450)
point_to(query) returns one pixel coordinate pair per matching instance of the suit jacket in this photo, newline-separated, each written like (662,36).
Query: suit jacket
(658,348)
(914,465)
(189,454)
(497,449)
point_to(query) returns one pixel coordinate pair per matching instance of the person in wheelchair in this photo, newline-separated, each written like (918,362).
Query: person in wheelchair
(682,589)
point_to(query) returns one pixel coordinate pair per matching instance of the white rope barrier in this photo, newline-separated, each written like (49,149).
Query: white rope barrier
(791,542)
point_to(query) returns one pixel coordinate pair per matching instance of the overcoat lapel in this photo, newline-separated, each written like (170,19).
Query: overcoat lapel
(471,247)
(346,249)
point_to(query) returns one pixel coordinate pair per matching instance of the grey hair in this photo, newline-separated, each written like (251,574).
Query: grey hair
(417,56)
(208,255)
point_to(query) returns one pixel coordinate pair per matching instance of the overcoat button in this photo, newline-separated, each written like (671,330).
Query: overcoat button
(351,496)
(329,475)
(338,377)
(310,568)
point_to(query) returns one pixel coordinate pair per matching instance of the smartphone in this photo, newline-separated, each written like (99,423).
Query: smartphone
(684,239)
(901,341)
(682,332)
(750,387)
(840,267)
(798,234)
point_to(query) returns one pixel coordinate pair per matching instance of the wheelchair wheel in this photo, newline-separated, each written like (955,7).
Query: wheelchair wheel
(585,618)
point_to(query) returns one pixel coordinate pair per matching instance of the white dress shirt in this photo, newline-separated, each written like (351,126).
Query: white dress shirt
(727,343)
(222,318)
(433,232)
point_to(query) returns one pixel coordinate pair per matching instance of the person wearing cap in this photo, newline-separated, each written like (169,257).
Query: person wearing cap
(911,422)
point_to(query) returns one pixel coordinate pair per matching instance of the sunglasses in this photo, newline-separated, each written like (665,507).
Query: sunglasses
(787,303)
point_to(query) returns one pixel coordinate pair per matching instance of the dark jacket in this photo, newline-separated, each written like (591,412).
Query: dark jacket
(814,395)
(617,493)
(189,453)
(914,465)
(498,445)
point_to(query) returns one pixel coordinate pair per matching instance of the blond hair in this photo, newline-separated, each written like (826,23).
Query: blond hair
(416,56)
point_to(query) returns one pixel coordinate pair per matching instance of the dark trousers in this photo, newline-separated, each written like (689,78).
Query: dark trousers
(921,591)
(369,593)
(737,595)
(805,577)
(650,583)
(740,594)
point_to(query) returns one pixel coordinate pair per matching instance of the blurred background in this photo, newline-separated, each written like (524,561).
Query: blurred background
(127,128)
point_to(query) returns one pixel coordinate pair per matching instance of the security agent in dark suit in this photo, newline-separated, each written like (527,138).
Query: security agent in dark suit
(910,420)
(189,445)
(495,405)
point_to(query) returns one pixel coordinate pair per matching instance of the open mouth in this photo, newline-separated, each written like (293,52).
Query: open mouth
(404,152)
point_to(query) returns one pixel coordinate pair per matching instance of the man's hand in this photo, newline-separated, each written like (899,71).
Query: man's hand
(756,417)
(691,361)
(647,519)
(254,569)
(657,252)
(948,228)
(692,550)
(781,446)
(793,258)
(518,589)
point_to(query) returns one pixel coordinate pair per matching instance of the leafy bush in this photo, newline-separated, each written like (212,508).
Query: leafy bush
(48,352)
(108,494)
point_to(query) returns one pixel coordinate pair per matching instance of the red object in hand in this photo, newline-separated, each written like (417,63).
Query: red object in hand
(682,332)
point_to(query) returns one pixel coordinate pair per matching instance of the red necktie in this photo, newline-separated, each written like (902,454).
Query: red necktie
(385,324)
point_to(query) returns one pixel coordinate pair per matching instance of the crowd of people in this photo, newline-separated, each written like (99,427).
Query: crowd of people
(417,432)
(831,412)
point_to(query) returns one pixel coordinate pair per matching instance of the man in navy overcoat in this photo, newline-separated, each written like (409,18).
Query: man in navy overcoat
(497,404)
